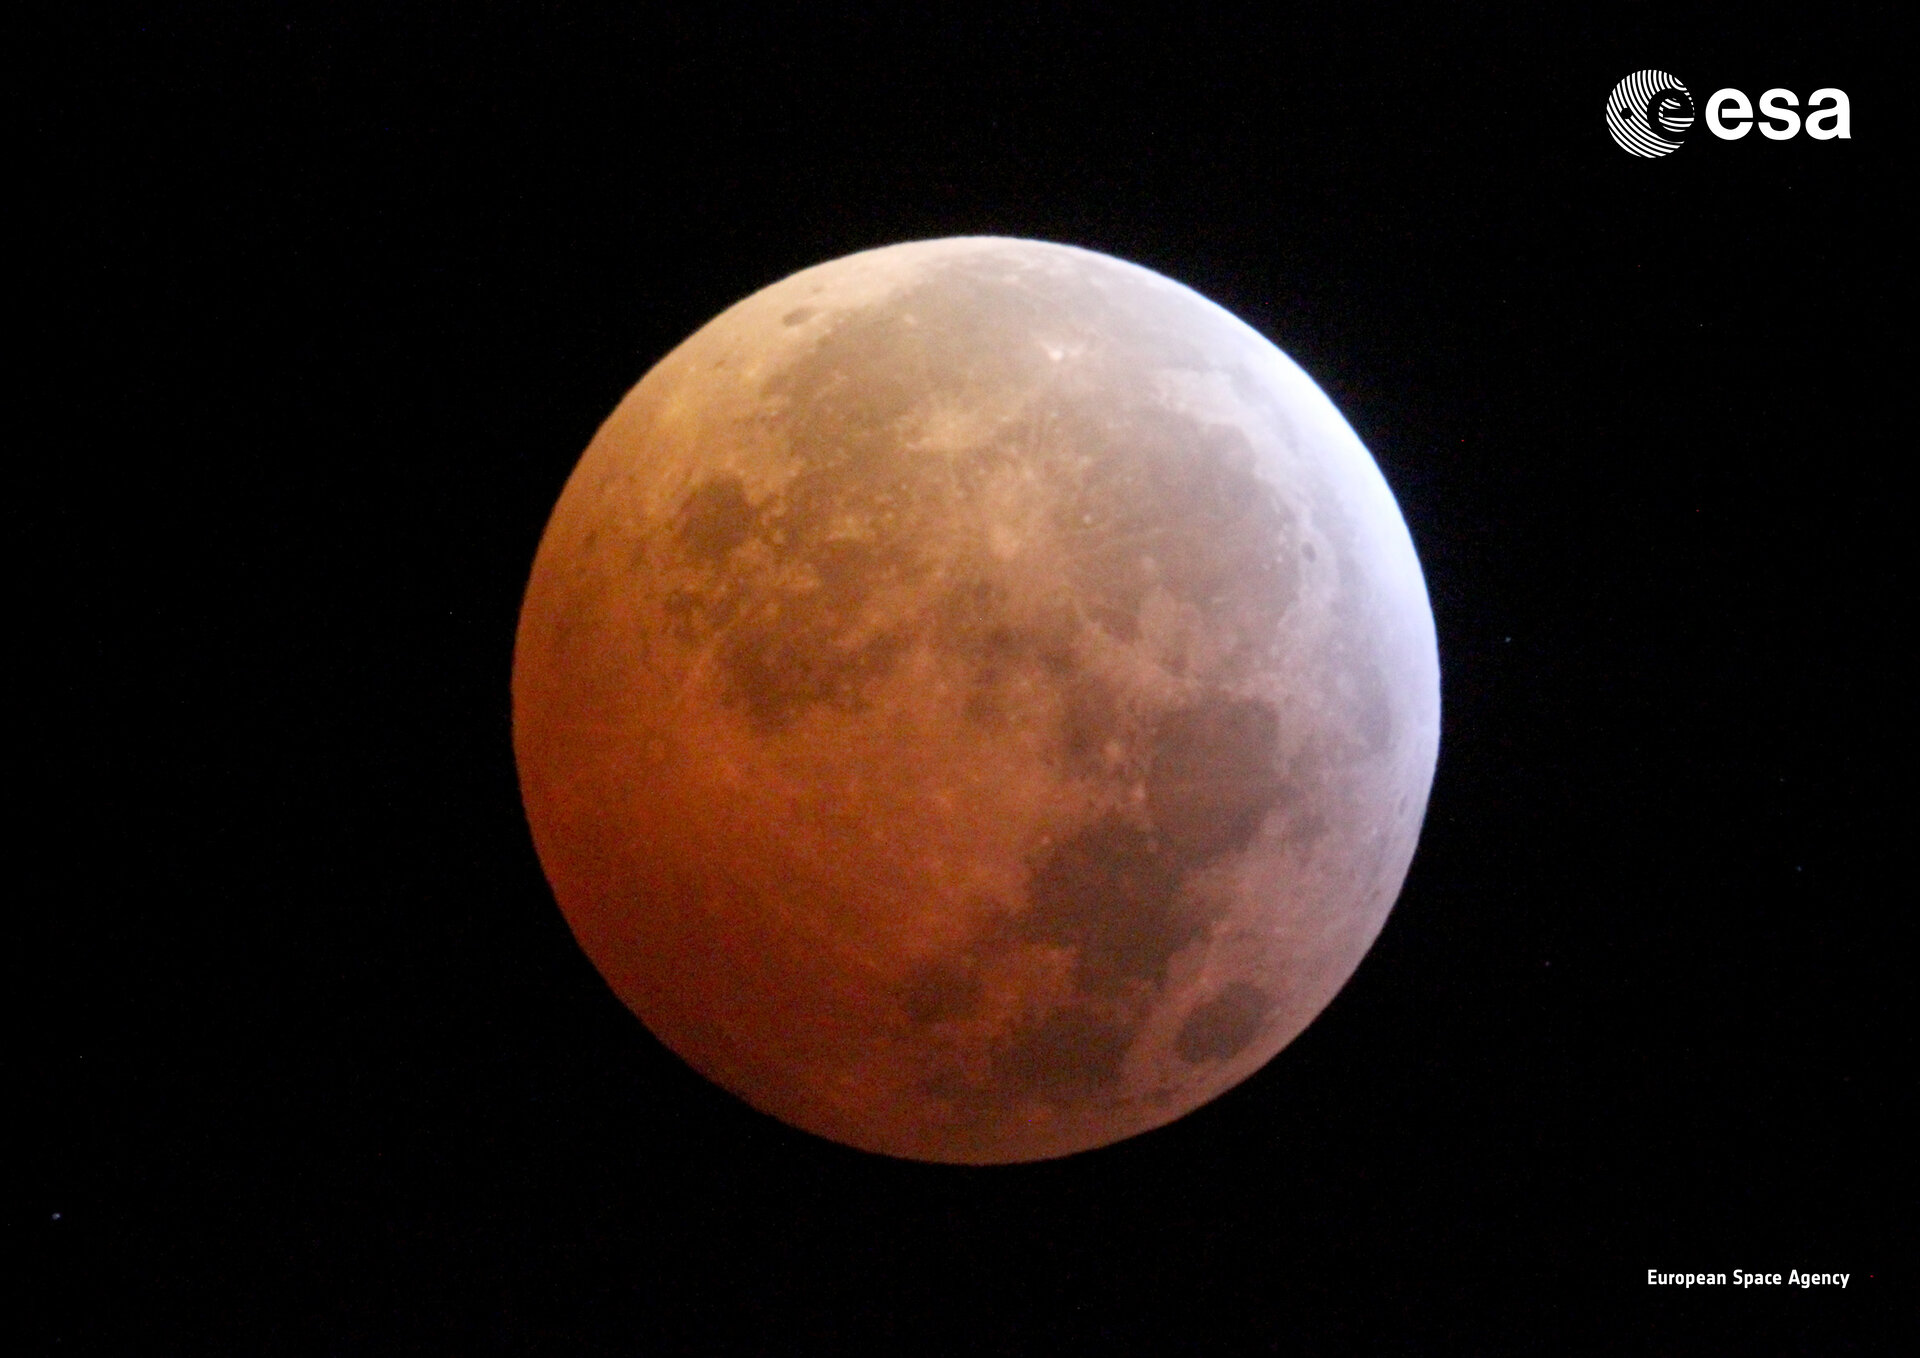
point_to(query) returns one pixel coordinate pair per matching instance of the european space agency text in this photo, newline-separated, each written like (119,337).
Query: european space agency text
(1740,1278)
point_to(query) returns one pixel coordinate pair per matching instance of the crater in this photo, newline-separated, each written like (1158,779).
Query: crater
(1222,1027)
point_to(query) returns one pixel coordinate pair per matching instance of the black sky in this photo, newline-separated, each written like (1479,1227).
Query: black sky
(323,308)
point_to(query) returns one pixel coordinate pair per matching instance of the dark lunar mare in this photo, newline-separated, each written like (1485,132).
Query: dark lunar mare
(1119,895)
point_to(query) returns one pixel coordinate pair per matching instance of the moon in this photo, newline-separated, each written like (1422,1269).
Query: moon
(976,700)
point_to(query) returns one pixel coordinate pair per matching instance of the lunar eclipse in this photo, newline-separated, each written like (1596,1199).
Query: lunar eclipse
(976,700)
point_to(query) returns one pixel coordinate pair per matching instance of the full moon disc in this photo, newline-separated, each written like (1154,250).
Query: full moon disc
(976,700)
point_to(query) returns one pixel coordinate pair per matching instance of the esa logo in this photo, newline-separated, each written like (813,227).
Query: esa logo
(1650,113)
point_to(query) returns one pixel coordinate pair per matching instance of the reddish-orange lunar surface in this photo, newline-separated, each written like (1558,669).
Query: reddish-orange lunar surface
(976,700)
